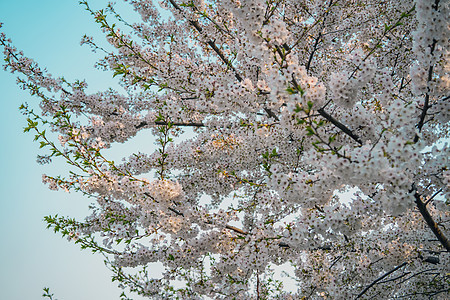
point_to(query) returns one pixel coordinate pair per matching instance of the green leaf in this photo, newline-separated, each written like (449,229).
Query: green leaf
(302,92)
(274,153)
(300,121)
(291,91)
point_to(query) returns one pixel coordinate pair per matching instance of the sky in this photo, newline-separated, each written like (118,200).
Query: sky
(31,256)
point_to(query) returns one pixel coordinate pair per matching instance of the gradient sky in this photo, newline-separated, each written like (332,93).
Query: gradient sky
(31,256)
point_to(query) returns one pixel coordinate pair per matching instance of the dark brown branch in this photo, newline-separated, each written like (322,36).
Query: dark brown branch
(224,59)
(144,123)
(429,294)
(420,204)
(432,197)
(170,208)
(432,260)
(339,125)
(229,227)
(235,229)
(240,231)
(316,43)
(332,120)
(308,64)
(271,113)
(176,211)
(430,222)
(416,274)
(395,278)
(335,261)
(426,104)
(380,278)
(272,11)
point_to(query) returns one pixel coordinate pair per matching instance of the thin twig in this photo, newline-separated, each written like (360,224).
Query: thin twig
(380,278)
(432,197)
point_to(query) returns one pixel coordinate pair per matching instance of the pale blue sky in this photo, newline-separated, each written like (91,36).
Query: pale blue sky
(32,257)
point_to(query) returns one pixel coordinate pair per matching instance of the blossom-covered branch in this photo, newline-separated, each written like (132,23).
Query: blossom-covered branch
(303,135)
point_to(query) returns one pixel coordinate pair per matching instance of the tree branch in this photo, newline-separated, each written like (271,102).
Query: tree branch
(316,43)
(416,274)
(430,222)
(380,278)
(308,64)
(235,229)
(426,104)
(193,124)
(339,125)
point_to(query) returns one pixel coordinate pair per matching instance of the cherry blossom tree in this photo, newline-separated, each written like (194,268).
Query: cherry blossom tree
(307,136)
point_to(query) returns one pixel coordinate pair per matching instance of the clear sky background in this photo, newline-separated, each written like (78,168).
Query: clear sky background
(31,256)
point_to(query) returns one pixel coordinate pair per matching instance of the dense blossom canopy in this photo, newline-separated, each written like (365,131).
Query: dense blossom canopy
(307,136)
